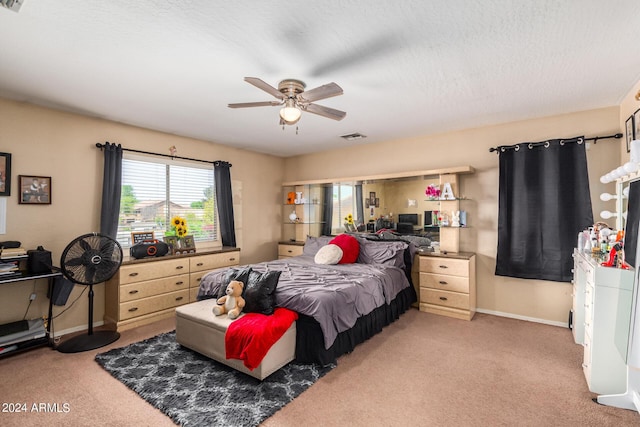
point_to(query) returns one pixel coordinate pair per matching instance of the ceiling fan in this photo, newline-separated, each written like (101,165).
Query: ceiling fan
(295,99)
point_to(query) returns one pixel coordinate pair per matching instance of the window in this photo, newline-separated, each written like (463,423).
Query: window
(343,205)
(154,190)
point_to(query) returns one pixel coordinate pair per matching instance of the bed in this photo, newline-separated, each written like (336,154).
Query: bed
(338,306)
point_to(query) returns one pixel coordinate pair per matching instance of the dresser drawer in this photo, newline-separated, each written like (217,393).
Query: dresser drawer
(195,278)
(289,250)
(448,266)
(444,282)
(148,305)
(152,270)
(138,290)
(213,261)
(444,298)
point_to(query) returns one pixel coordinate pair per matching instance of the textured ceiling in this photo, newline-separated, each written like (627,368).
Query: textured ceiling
(408,68)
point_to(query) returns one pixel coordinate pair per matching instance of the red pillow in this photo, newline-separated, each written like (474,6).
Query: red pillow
(350,248)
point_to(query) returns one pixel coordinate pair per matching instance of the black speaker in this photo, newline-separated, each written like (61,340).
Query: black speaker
(149,248)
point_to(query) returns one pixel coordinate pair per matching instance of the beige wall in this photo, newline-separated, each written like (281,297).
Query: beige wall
(533,299)
(62,145)
(45,142)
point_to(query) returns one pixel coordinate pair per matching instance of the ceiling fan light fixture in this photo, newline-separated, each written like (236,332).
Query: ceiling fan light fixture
(290,113)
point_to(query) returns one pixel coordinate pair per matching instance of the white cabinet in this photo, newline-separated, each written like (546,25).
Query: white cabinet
(597,292)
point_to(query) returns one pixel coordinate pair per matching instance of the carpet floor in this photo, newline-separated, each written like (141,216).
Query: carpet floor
(194,390)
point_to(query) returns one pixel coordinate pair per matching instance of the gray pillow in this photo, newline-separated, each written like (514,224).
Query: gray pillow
(381,252)
(313,244)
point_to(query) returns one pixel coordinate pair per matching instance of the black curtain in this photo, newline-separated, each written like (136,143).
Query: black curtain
(111,189)
(544,201)
(327,210)
(359,206)
(224,196)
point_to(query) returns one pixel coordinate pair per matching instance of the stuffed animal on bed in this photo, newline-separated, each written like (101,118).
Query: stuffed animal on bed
(232,303)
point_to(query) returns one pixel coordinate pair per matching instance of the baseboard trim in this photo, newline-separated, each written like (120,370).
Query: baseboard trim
(526,318)
(63,332)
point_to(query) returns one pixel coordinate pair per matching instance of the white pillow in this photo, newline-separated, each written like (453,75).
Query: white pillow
(328,254)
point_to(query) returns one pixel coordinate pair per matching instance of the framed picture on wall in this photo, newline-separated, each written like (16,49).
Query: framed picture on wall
(5,174)
(34,190)
(636,124)
(630,132)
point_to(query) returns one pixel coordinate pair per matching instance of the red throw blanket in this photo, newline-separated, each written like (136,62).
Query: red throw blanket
(250,337)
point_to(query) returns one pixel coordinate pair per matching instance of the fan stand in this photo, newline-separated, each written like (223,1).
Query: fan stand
(90,341)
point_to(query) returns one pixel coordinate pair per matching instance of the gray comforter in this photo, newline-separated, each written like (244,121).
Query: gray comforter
(334,295)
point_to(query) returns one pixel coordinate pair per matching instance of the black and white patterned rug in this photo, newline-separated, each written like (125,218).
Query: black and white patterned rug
(194,390)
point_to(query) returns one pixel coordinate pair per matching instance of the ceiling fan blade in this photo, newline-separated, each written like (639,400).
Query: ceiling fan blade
(325,111)
(322,92)
(264,86)
(255,104)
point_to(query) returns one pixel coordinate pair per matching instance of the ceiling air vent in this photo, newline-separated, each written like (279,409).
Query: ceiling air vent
(12,4)
(353,136)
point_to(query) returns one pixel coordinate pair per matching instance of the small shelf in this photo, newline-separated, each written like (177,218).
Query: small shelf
(457,199)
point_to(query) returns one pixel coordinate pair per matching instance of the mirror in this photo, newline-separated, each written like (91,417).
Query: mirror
(394,203)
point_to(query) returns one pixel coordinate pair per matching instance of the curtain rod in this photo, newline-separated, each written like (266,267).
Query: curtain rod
(594,139)
(101,146)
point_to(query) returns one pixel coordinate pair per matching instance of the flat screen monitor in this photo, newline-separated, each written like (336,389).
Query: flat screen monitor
(410,218)
(632,223)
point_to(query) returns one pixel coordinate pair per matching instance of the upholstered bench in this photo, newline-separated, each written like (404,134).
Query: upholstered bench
(200,330)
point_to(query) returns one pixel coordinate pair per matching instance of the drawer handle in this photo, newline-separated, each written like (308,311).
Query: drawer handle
(198,279)
(443,266)
(179,283)
(200,264)
(442,282)
(133,274)
(179,298)
(133,309)
(443,298)
(232,259)
(290,251)
(135,291)
(180,267)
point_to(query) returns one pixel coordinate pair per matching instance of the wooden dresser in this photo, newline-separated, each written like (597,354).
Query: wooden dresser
(149,289)
(289,249)
(448,284)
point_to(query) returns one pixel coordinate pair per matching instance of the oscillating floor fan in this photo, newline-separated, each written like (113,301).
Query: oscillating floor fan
(90,259)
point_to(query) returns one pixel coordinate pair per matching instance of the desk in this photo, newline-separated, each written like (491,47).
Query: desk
(25,276)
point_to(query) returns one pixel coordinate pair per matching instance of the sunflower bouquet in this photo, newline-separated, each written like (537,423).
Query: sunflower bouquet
(179,227)
(349,224)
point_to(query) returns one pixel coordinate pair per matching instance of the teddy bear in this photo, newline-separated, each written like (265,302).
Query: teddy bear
(232,303)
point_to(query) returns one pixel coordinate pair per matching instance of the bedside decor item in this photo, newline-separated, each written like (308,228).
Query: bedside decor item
(178,227)
(291,197)
(432,192)
(187,245)
(34,190)
(141,236)
(293,216)
(183,243)
(5,174)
